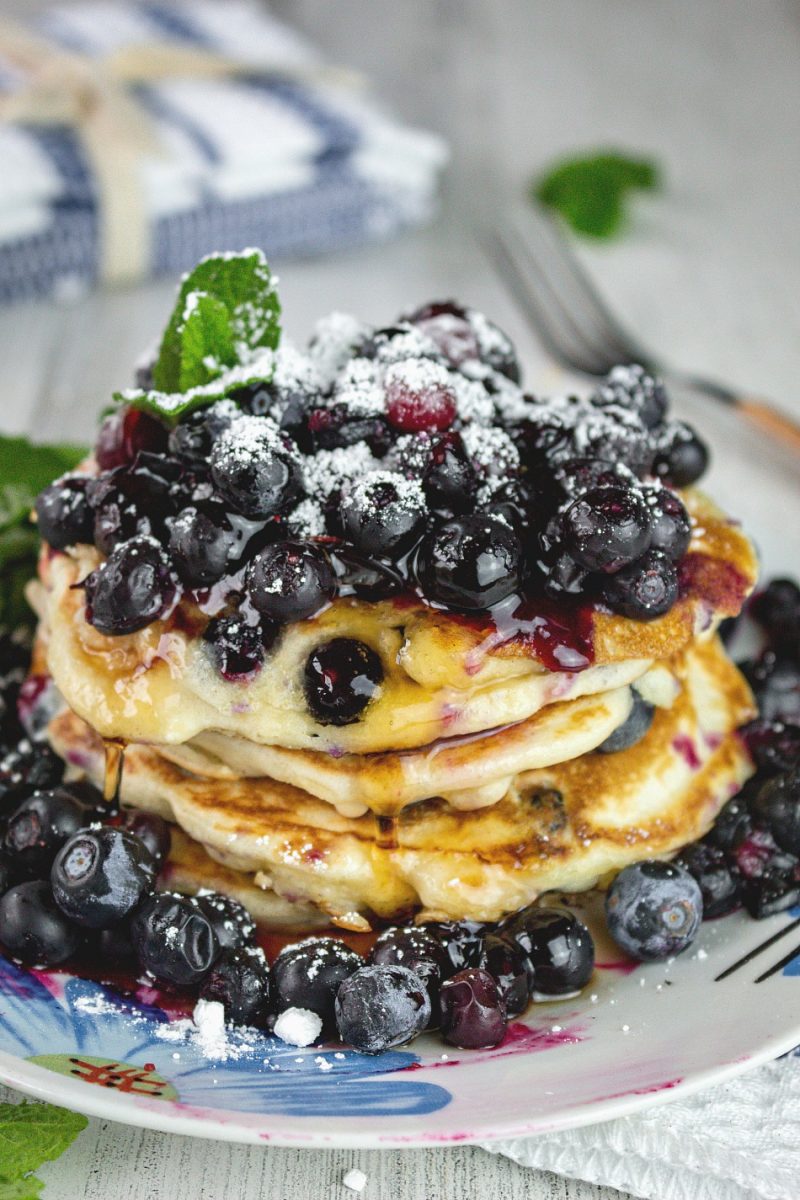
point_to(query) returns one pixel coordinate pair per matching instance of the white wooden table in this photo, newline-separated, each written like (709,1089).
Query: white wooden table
(708,275)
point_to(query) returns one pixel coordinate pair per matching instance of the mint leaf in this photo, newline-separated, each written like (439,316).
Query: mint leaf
(590,192)
(25,469)
(29,1188)
(227,309)
(32,1134)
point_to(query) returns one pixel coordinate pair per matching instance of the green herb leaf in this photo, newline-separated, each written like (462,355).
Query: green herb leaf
(32,1134)
(25,469)
(29,1188)
(590,192)
(226,309)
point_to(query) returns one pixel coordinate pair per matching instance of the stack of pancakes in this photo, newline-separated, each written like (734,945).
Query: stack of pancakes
(471,784)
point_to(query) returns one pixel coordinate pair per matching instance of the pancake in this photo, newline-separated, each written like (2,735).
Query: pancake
(469,772)
(444,675)
(561,827)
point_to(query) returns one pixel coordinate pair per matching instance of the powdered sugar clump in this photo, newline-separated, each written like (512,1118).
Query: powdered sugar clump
(329,469)
(359,387)
(406,493)
(355,1180)
(492,450)
(298,1026)
(307,520)
(209,1017)
(334,339)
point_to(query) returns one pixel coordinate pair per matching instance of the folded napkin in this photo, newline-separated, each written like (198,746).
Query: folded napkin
(136,137)
(736,1141)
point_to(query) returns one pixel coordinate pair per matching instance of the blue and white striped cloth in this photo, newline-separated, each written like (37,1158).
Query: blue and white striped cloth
(297,165)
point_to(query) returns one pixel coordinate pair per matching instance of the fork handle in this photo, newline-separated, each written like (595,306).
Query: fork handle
(777,425)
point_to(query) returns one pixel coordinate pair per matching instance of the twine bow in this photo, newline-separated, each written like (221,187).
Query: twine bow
(93,96)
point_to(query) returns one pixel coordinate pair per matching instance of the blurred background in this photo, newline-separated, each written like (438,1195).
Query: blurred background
(447,112)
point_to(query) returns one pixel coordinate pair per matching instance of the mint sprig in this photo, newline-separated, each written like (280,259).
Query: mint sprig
(590,192)
(32,1134)
(25,468)
(221,335)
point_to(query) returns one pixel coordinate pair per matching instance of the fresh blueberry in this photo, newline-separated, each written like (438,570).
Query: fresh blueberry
(465,335)
(341,677)
(201,544)
(671,527)
(559,947)
(683,456)
(462,941)
(230,920)
(255,470)
(450,480)
(633,728)
(775,681)
(606,528)
(773,745)
(512,971)
(418,950)
(718,882)
(646,589)
(192,438)
(733,823)
(289,581)
(308,975)
(39,827)
(33,928)
(473,1010)
(100,875)
(27,766)
(633,387)
(335,426)
(9,873)
(240,982)
(132,588)
(778,806)
(63,513)
(469,563)
(380,1006)
(151,829)
(174,941)
(774,890)
(654,909)
(383,514)
(237,646)
(116,516)
(777,610)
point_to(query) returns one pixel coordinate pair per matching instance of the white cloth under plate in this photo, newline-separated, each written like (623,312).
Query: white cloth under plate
(735,1141)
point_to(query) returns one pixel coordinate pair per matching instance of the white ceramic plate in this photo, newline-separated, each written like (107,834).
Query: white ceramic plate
(638,1035)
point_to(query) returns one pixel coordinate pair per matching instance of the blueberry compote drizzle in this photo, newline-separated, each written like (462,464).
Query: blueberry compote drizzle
(402,463)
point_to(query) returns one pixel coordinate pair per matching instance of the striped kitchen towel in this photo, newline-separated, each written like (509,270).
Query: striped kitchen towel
(137,137)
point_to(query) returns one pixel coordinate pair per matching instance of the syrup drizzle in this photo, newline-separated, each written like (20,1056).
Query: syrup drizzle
(112,775)
(386,832)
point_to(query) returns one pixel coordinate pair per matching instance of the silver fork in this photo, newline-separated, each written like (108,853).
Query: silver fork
(563,306)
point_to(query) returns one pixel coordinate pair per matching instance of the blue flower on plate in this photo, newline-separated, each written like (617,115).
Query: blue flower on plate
(793,967)
(85,1030)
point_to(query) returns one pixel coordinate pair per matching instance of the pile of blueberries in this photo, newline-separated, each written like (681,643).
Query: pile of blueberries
(751,857)
(583,510)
